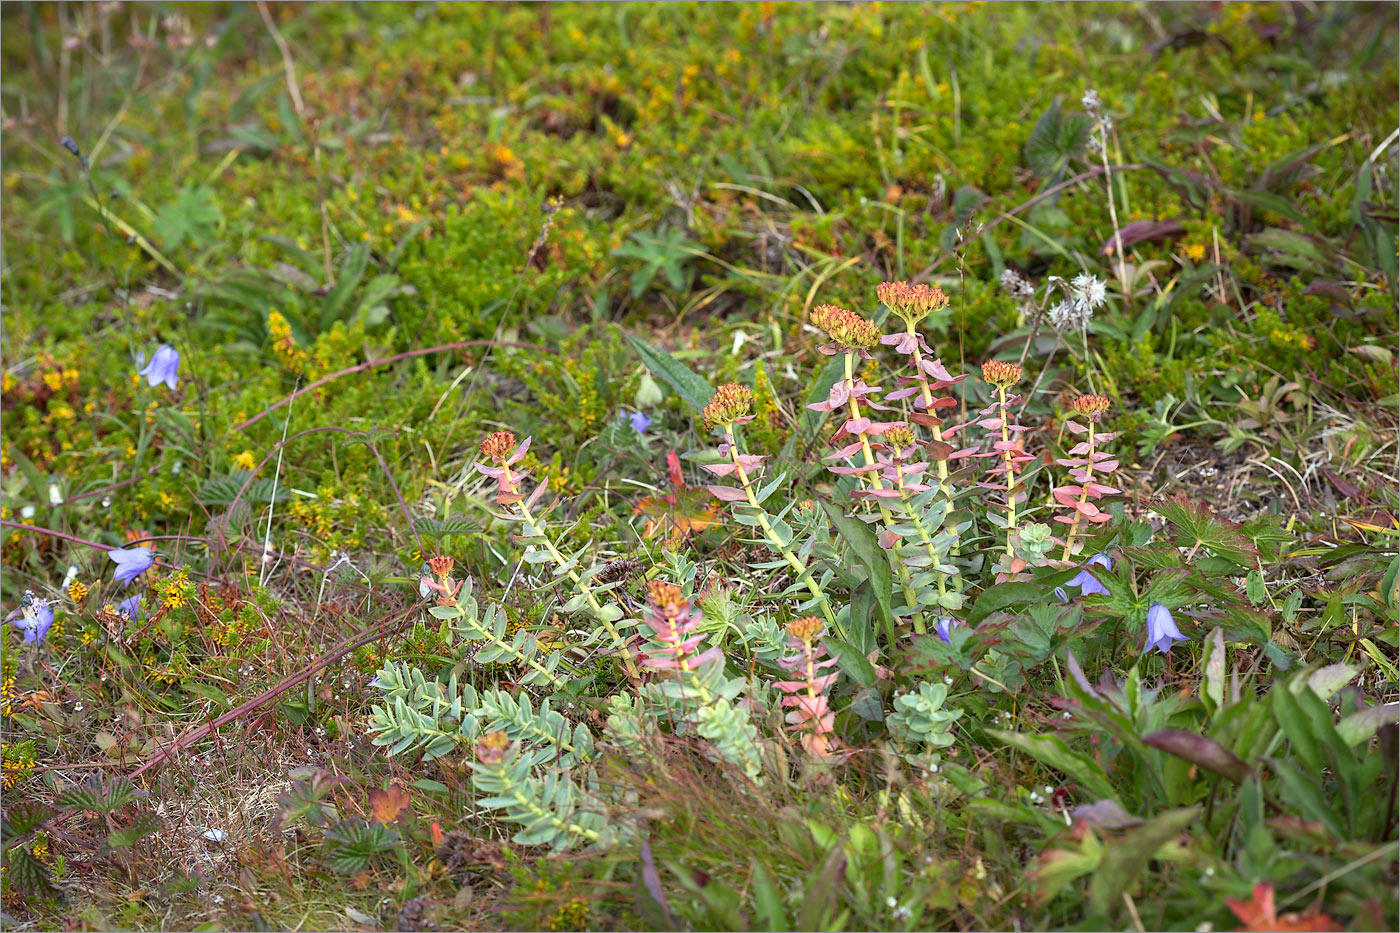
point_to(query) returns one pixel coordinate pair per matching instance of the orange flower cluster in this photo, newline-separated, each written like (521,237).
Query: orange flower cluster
(849,330)
(497,446)
(730,402)
(1091,405)
(1001,374)
(911,302)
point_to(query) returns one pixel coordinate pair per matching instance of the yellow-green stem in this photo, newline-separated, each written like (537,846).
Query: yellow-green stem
(803,572)
(906,580)
(705,696)
(1083,495)
(584,588)
(927,395)
(943,486)
(1006,458)
(923,536)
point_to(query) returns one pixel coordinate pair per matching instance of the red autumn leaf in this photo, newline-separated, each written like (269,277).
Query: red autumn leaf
(673,465)
(1259,915)
(386,805)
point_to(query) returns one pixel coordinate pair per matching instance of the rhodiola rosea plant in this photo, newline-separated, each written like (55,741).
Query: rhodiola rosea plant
(943,572)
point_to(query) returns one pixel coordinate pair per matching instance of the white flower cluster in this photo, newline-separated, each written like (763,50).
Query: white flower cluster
(1086,294)
(1015,285)
(1093,105)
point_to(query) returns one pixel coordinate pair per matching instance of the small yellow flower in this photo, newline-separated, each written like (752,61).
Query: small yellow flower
(245,460)
(77,591)
(39,848)
(176,590)
(1195,251)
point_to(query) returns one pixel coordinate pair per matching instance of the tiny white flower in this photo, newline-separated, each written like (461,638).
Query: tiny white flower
(27,512)
(1063,316)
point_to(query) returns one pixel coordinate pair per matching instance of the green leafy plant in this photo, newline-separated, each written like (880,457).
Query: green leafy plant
(667,253)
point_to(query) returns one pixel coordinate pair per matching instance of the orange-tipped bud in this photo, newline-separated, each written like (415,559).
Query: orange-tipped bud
(1091,405)
(497,447)
(491,747)
(911,302)
(729,403)
(1001,374)
(806,628)
(848,329)
(668,598)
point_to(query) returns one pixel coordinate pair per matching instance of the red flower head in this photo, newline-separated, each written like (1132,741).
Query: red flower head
(1092,406)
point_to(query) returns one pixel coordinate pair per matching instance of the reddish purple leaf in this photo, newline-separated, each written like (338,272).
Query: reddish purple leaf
(1142,231)
(1198,749)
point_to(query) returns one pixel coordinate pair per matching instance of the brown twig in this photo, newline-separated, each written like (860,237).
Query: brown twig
(288,65)
(1041,196)
(112,488)
(373,364)
(364,637)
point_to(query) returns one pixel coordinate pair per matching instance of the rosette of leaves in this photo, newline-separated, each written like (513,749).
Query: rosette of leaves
(727,727)
(920,719)
(352,845)
(629,722)
(421,714)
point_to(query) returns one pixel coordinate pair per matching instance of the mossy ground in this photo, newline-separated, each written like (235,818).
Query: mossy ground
(531,183)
